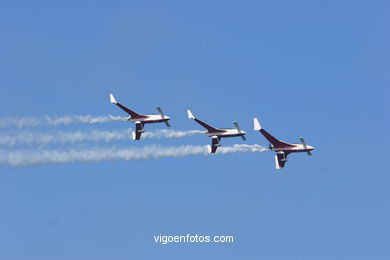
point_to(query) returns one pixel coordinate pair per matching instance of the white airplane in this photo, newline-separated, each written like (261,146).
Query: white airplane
(140,120)
(217,133)
(281,148)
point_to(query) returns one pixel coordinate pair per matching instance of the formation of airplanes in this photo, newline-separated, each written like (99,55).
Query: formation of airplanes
(281,148)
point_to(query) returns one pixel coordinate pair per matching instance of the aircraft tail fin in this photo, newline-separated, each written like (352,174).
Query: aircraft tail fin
(190,115)
(256,124)
(112,99)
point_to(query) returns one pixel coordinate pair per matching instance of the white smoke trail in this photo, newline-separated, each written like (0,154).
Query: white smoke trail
(53,121)
(242,148)
(21,158)
(166,133)
(29,138)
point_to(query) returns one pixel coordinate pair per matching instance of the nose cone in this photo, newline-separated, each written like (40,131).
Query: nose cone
(310,147)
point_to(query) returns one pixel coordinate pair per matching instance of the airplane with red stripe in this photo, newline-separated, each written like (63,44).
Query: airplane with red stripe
(217,133)
(140,120)
(281,148)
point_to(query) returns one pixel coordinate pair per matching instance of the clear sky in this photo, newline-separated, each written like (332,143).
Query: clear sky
(317,69)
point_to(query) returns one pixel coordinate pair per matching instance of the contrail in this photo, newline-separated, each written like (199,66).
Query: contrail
(29,138)
(53,121)
(21,158)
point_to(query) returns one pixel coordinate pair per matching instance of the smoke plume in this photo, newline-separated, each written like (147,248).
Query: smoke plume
(29,138)
(54,121)
(19,158)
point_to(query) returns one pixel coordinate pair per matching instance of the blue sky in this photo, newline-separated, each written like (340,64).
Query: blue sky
(317,69)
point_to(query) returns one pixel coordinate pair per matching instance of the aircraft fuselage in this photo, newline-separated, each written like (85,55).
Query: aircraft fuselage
(149,119)
(227,132)
(297,148)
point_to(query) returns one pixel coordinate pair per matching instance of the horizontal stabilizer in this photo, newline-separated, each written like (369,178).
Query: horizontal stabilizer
(163,116)
(239,130)
(160,111)
(304,145)
(237,126)
(303,142)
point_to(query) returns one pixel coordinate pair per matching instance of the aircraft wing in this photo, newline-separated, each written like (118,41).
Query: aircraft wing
(139,129)
(132,113)
(280,160)
(274,141)
(214,144)
(208,127)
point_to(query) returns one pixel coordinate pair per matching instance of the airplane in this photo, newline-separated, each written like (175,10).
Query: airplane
(140,120)
(217,133)
(281,148)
